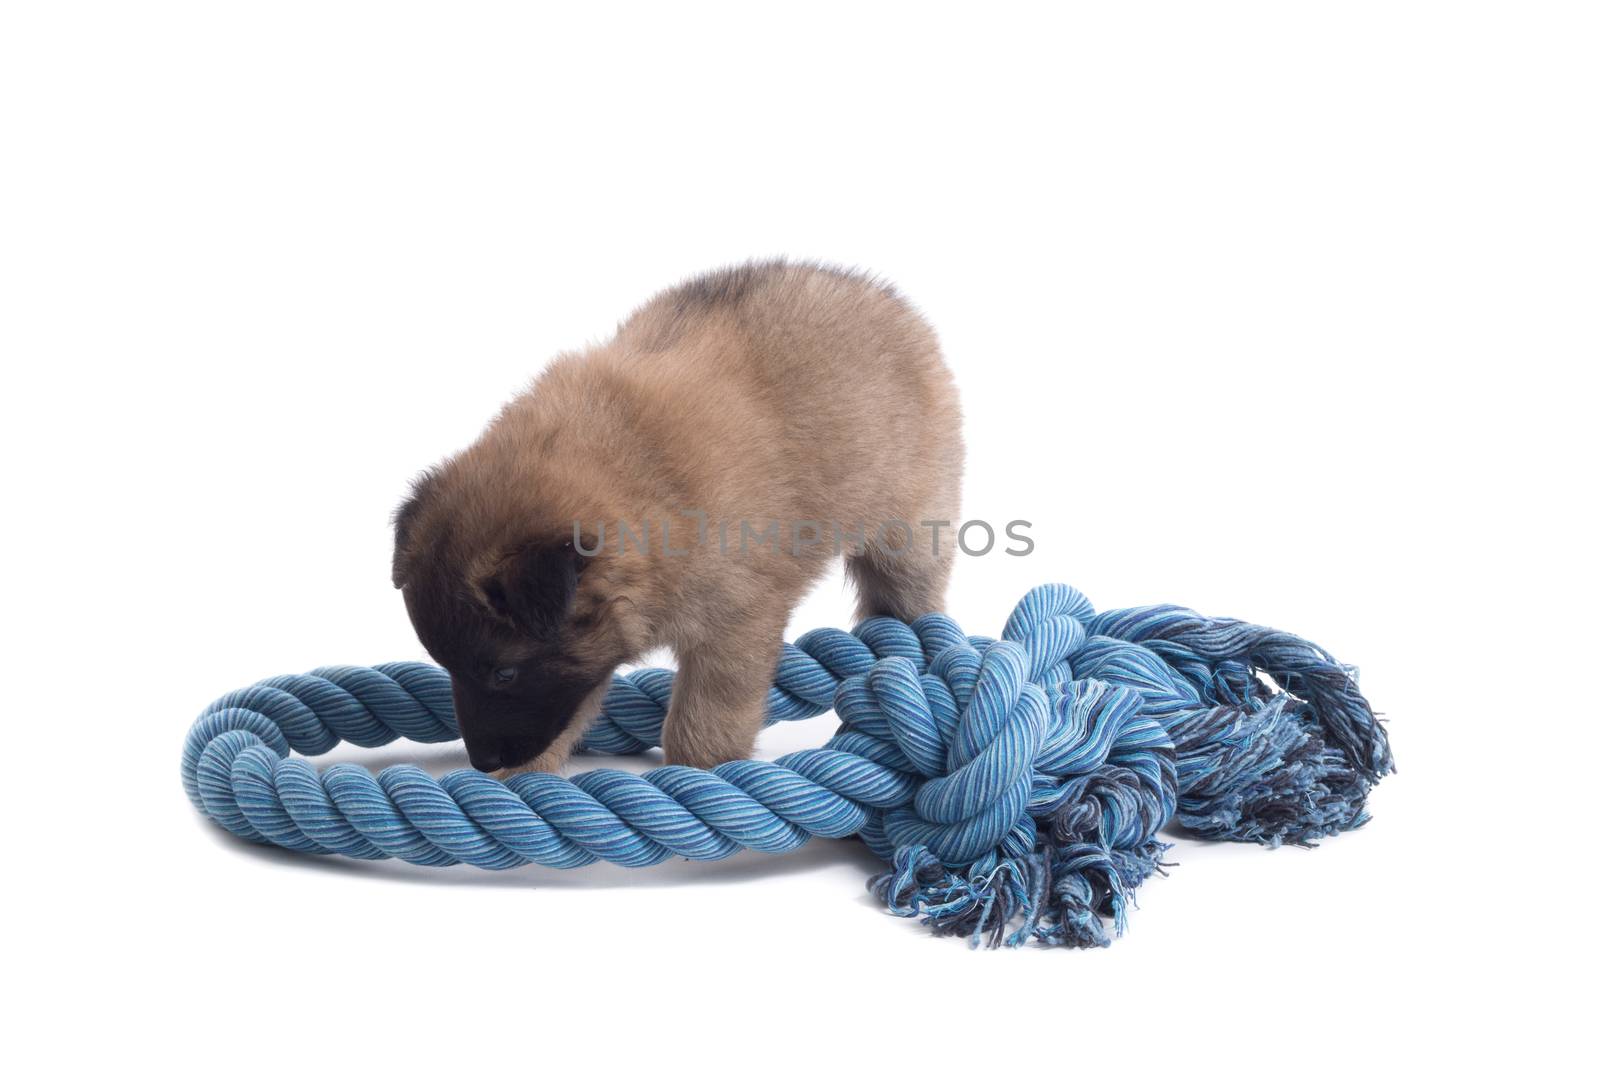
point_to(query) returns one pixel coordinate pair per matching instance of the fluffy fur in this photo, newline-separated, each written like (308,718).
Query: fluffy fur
(772,392)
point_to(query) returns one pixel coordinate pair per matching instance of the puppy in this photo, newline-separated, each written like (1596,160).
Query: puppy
(681,486)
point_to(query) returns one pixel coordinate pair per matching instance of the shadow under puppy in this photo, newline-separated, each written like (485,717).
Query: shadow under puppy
(682,485)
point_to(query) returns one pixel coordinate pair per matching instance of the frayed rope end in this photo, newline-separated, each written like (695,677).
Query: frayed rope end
(1058,896)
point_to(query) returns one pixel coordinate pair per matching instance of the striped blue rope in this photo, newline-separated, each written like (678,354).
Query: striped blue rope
(1015,786)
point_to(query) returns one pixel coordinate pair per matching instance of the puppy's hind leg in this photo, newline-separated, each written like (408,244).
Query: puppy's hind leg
(719,698)
(904,571)
(904,586)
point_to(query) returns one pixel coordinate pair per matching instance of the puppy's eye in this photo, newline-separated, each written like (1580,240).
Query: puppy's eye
(579,560)
(505,675)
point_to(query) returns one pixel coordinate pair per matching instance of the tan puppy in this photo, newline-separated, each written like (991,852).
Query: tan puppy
(682,485)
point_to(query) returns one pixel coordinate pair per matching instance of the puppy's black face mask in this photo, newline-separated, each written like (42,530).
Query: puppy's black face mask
(514,719)
(506,643)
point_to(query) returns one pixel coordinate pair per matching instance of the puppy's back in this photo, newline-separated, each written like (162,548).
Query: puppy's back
(832,370)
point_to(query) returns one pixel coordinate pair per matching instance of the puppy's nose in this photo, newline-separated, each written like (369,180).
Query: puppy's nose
(484,763)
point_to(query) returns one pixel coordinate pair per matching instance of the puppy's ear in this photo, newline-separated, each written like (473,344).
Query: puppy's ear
(405,521)
(531,588)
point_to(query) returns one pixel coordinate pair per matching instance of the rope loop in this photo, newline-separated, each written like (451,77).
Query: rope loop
(1015,786)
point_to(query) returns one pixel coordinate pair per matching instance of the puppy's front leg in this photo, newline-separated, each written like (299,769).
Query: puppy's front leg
(719,698)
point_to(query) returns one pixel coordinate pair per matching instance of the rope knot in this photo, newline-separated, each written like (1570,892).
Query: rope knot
(971,728)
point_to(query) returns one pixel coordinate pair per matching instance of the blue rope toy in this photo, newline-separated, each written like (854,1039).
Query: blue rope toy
(1016,786)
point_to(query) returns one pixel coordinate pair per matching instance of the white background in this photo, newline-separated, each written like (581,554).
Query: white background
(1278,311)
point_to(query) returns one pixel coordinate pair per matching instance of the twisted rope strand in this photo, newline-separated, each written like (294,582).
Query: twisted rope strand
(1016,786)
